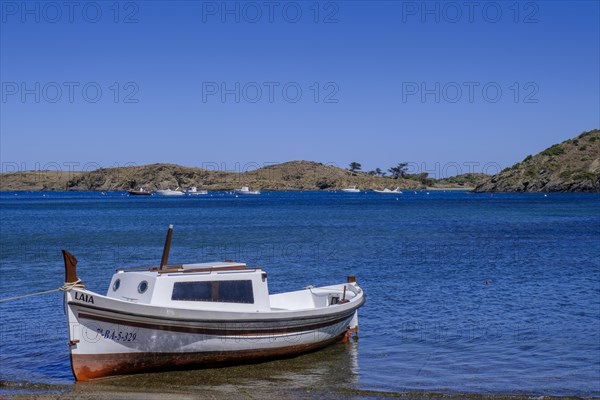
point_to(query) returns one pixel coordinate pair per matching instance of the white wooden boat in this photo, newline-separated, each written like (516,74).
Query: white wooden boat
(193,190)
(388,191)
(169,192)
(198,315)
(246,190)
(351,189)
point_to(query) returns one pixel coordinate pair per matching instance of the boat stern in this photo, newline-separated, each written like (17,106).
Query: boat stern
(352,331)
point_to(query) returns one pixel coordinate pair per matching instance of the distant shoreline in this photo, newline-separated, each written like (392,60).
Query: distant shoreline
(288,176)
(226,191)
(572,166)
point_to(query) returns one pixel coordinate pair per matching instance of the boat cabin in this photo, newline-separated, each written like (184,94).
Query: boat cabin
(219,286)
(215,286)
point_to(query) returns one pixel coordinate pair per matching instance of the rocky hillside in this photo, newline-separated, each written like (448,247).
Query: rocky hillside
(469,180)
(571,166)
(36,181)
(295,175)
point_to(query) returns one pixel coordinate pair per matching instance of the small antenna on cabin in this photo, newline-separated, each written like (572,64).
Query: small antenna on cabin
(167,248)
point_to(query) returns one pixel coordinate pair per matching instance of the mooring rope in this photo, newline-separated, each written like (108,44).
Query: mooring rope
(65,288)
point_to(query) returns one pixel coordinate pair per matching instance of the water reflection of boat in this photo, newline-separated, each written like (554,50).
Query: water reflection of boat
(333,370)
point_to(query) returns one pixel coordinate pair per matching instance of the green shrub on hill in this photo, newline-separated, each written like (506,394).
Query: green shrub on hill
(530,171)
(566,174)
(554,150)
(584,176)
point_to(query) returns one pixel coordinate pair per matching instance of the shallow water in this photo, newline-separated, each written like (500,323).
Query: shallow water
(430,322)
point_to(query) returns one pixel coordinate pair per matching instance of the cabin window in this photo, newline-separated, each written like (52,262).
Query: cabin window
(194,291)
(116,285)
(143,286)
(219,291)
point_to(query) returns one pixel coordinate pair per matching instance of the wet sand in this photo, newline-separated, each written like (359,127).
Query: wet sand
(109,391)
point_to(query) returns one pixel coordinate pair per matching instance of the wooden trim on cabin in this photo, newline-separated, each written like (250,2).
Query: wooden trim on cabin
(209,269)
(181,268)
(214,290)
(165,269)
(127,269)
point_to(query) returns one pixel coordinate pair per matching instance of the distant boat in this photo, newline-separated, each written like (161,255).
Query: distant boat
(169,192)
(388,191)
(245,190)
(351,189)
(193,190)
(141,192)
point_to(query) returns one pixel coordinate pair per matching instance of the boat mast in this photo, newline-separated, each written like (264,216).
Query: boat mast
(165,255)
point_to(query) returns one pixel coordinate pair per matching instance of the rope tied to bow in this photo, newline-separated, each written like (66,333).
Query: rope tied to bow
(65,288)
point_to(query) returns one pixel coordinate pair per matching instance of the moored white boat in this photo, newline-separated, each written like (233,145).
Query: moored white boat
(351,189)
(141,192)
(193,190)
(169,192)
(198,315)
(246,190)
(388,191)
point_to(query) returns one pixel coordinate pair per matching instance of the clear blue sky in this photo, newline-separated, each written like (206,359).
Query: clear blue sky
(194,83)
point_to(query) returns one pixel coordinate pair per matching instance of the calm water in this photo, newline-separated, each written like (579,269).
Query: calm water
(429,324)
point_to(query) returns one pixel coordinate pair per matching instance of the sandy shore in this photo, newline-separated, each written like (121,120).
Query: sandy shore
(233,390)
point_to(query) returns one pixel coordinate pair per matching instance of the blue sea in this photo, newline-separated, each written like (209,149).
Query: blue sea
(466,293)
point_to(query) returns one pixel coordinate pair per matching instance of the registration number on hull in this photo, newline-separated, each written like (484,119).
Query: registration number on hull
(117,336)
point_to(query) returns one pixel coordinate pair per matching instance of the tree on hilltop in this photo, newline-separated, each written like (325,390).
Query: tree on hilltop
(399,170)
(354,166)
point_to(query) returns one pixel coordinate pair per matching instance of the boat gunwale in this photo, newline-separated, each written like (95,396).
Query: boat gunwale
(268,316)
(221,330)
